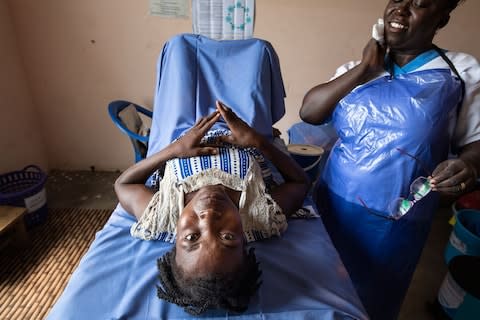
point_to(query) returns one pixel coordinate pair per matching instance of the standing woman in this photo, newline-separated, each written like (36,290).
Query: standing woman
(398,112)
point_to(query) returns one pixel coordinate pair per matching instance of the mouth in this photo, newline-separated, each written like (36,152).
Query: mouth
(397,26)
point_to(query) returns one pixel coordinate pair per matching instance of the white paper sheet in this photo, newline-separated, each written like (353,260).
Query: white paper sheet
(223,19)
(169,8)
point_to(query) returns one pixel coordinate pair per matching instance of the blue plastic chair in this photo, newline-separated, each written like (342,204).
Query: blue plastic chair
(125,116)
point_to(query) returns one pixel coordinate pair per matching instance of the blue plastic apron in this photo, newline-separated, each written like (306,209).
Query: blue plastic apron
(411,112)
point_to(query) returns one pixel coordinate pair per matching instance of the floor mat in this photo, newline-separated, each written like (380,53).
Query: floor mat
(32,279)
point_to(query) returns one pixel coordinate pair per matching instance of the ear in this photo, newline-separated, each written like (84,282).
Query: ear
(444,21)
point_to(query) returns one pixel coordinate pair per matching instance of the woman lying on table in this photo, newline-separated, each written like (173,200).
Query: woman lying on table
(212,200)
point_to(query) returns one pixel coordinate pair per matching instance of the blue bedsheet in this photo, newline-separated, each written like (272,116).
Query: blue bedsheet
(303,278)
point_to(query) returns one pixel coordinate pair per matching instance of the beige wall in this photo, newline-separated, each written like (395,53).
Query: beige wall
(21,141)
(79,55)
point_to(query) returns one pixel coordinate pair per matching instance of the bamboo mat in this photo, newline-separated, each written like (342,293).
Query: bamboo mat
(33,278)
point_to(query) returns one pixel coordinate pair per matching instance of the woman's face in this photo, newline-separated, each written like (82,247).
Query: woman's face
(209,233)
(410,25)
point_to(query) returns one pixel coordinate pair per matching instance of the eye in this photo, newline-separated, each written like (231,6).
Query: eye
(192,237)
(227,236)
(420,4)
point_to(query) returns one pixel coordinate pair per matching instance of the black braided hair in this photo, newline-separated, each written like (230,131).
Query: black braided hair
(231,291)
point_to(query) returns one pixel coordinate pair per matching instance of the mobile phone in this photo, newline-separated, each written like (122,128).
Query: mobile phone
(378,30)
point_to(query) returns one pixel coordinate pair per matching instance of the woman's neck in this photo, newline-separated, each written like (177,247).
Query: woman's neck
(403,57)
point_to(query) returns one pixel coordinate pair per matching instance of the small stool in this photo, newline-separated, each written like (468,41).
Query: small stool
(12,226)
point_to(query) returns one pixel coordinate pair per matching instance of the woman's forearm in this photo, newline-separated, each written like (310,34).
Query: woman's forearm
(130,187)
(320,101)
(290,194)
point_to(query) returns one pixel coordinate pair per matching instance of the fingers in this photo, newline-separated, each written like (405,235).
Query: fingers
(226,112)
(221,108)
(448,172)
(207,151)
(451,176)
(198,151)
(227,139)
(456,189)
(233,121)
(205,123)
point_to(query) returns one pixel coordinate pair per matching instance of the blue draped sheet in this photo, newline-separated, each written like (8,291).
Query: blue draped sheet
(303,278)
(193,71)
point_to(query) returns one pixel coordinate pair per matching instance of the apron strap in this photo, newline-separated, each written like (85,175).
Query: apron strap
(452,66)
(462,84)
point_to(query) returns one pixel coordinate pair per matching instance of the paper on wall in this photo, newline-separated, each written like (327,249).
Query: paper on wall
(223,19)
(169,8)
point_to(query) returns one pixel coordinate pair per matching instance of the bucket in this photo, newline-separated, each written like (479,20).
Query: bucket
(465,236)
(308,157)
(468,201)
(459,294)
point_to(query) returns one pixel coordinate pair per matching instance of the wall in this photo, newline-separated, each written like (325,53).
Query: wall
(82,54)
(21,141)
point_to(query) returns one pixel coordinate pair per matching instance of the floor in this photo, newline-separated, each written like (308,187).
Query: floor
(81,189)
(90,189)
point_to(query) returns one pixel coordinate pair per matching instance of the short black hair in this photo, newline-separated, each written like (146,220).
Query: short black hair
(452,4)
(231,291)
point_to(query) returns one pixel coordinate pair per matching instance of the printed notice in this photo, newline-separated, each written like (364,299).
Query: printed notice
(169,8)
(223,19)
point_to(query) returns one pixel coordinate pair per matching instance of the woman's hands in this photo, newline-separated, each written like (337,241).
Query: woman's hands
(453,177)
(456,176)
(373,59)
(242,134)
(189,145)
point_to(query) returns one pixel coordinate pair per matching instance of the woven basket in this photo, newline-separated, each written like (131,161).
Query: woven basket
(26,188)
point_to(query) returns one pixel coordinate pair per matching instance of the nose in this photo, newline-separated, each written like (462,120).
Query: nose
(403,7)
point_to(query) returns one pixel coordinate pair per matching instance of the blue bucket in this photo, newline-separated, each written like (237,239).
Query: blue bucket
(459,294)
(465,236)
(308,157)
